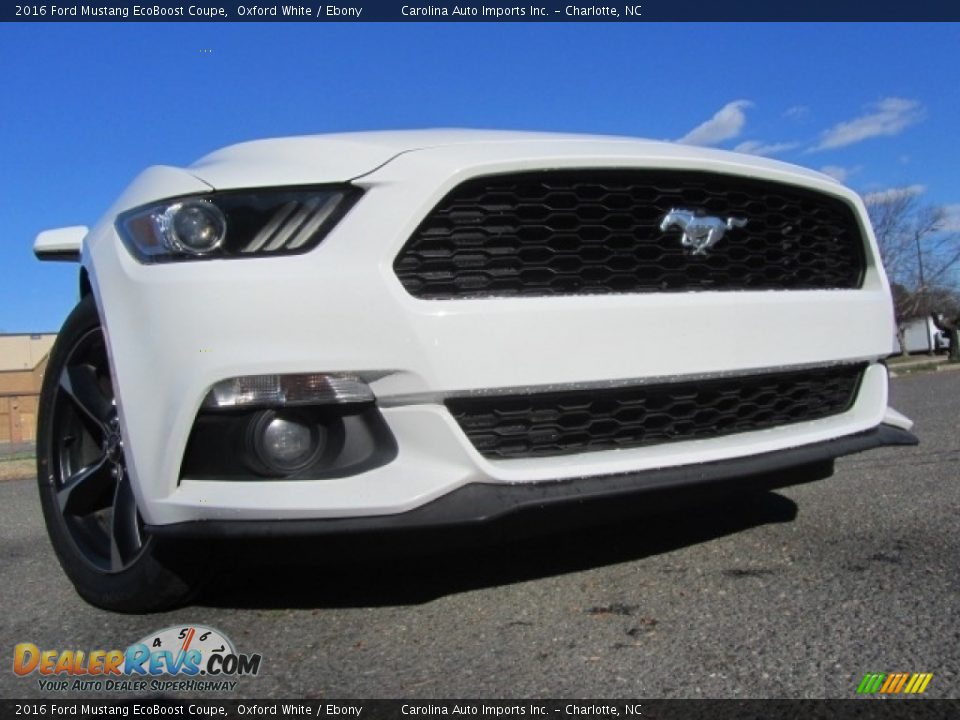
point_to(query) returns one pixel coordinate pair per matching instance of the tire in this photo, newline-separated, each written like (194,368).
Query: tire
(85,490)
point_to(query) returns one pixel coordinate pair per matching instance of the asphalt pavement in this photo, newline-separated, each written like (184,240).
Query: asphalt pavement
(794,593)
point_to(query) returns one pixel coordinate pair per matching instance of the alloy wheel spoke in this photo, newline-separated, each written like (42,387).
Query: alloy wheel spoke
(125,538)
(80,384)
(88,489)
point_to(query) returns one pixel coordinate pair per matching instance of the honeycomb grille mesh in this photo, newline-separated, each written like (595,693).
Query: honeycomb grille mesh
(598,231)
(556,423)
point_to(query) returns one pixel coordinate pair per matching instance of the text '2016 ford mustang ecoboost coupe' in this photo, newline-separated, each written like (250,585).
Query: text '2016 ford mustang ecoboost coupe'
(416,329)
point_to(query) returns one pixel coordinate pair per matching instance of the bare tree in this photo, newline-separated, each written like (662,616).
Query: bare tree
(920,253)
(890,214)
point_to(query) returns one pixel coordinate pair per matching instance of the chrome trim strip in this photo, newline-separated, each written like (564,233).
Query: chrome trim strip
(438,398)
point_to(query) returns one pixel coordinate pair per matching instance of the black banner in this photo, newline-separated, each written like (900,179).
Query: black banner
(919,709)
(485,11)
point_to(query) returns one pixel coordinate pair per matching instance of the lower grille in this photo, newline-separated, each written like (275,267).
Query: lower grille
(557,423)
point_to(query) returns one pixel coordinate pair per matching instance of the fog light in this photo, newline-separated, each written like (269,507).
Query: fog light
(285,443)
(285,390)
(194,226)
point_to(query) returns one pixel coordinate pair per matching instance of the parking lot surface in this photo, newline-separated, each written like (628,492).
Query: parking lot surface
(794,593)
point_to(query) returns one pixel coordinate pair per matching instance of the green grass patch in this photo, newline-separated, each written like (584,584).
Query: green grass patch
(17,456)
(899,359)
(919,368)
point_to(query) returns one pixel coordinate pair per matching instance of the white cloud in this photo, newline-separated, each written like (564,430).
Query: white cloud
(839,173)
(797,112)
(879,197)
(756,147)
(951,218)
(890,116)
(724,125)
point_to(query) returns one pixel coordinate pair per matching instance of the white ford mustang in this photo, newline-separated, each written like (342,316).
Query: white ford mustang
(427,328)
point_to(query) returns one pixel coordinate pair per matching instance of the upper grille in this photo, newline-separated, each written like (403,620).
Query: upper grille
(563,232)
(556,423)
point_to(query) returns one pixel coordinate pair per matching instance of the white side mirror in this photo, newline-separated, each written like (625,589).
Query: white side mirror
(60,244)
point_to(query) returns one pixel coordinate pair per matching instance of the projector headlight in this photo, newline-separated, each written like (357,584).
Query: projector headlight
(234,224)
(194,226)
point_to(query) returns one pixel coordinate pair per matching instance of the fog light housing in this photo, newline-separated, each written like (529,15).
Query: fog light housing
(288,390)
(283,443)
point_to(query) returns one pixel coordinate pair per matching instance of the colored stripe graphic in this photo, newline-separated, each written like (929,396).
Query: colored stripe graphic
(870,683)
(894,683)
(891,681)
(918,683)
(914,681)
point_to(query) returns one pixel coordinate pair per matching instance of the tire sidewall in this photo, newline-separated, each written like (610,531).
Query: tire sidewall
(148,583)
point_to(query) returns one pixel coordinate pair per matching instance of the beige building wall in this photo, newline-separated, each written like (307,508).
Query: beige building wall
(24,351)
(23,359)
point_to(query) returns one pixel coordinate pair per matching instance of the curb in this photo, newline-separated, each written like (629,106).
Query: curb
(921,369)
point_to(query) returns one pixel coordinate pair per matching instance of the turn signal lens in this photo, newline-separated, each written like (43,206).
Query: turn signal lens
(287,390)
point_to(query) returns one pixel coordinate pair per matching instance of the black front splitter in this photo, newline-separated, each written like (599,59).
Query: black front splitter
(480,503)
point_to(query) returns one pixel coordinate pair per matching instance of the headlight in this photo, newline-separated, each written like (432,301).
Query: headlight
(194,226)
(234,224)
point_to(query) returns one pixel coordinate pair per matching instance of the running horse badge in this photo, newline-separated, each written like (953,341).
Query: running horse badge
(700,232)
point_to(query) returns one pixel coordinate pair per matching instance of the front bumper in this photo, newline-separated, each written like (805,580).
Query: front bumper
(488,502)
(176,330)
(435,458)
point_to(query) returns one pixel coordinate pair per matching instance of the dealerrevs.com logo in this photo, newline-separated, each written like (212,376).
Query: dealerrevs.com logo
(181,658)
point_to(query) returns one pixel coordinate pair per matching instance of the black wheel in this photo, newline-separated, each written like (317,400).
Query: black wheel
(85,489)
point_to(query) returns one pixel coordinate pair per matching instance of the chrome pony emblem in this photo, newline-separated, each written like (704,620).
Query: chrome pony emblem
(700,232)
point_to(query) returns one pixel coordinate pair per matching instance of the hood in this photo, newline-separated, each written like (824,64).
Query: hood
(340,157)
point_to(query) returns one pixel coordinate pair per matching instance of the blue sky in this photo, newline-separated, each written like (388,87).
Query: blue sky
(87,106)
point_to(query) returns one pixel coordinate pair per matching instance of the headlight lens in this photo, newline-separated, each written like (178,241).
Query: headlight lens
(234,224)
(194,226)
